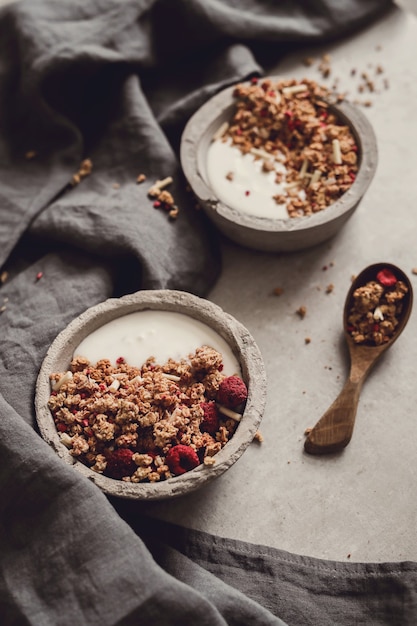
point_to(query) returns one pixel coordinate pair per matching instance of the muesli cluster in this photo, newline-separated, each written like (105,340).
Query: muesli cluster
(290,123)
(163,198)
(376,309)
(150,423)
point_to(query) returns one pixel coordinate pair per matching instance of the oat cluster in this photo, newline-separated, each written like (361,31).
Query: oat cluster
(142,424)
(376,310)
(290,123)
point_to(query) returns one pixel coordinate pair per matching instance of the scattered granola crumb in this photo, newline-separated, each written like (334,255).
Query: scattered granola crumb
(2,308)
(173,213)
(116,185)
(162,198)
(301,311)
(278,291)
(258,437)
(141,178)
(230,175)
(268,165)
(325,66)
(307,431)
(31,154)
(414,270)
(307,340)
(330,288)
(3,277)
(85,169)
(366,83)
(308,61)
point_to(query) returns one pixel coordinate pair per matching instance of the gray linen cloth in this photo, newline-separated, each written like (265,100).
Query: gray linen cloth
(115,82)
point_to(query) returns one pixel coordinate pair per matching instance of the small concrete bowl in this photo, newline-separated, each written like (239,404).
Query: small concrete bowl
(232,333)
(262,233)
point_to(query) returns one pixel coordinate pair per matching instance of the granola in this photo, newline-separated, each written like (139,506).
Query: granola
(290,123)
(146,424)
(376,309)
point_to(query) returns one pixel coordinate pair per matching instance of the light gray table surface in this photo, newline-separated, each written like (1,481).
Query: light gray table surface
(359,505)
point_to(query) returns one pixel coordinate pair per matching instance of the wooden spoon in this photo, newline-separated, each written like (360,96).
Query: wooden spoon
(334,430)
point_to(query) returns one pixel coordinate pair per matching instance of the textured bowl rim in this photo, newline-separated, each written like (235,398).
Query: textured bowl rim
(208,118)
(231,330)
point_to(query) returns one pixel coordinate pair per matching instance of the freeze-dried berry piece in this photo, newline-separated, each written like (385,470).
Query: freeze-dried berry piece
(386,278)
(181,459)
(120,464)
(232,392)
(210,423)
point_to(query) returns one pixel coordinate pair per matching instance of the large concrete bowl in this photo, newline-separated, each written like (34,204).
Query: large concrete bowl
(261,233)
(233,332)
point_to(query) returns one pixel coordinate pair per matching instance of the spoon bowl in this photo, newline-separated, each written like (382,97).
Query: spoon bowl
(334,429)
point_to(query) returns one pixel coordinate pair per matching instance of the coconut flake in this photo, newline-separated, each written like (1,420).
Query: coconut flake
(378,314)
(172,377)
(337,152)
(64,379)
(229,413)
(289,91)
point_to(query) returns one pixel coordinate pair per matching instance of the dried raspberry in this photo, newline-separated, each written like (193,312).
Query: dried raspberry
(232,392)
(386,278)
(120,464)
(181,459)
(210,423)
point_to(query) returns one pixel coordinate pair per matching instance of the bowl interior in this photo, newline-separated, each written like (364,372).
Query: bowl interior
(241,344)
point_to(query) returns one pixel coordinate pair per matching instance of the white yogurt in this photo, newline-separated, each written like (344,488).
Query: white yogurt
(162,334)
(251,191)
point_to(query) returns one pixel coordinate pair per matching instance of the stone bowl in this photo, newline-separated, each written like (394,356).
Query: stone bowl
(242,348)
(262,233)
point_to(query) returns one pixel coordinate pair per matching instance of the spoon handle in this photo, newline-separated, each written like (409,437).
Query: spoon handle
(334,429)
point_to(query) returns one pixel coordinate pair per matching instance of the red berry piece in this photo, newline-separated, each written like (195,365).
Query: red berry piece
(181,459)
(232,392)
(210,423)
(386,278)
(120,464)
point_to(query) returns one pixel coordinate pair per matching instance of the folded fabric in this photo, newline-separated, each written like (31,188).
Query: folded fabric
(94,93)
